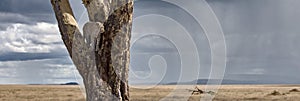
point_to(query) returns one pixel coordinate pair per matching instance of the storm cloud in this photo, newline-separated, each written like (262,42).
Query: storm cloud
(261,38)
(31,47)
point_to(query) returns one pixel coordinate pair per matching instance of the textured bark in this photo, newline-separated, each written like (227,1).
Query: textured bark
(101,54)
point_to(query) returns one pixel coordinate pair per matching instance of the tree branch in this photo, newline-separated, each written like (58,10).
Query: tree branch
(66,21)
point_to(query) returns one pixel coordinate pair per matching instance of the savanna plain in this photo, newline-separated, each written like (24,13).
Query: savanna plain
(156,93)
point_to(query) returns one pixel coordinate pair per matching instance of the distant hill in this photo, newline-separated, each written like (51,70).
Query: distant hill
(68,83)
(71,83)
(225,82)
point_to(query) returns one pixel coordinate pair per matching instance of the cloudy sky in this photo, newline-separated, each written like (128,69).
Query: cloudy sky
(261,38)
(31,47)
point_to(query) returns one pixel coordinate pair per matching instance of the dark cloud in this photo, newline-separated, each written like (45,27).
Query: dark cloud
(16,56)
(258,17)
(26,6)
(26,11)
(261,35)
(14,18)
(34,11)
(151,44)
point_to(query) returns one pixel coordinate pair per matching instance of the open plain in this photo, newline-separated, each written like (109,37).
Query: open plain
(146,93)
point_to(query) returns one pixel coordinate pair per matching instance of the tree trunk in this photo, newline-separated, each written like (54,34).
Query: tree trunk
(101,53)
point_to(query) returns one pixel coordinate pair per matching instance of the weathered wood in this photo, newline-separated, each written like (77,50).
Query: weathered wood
(102,54)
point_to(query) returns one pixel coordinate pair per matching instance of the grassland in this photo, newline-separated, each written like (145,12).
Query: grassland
(141,93)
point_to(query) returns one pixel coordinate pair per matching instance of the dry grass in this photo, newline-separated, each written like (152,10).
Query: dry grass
(225,93)
(40,93)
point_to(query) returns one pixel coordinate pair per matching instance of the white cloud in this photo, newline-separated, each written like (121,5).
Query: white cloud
(37,71)
(38,38)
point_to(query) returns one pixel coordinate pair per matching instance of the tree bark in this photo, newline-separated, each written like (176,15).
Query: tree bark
(101,53)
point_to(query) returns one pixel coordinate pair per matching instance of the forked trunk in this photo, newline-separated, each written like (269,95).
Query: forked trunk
(101,53)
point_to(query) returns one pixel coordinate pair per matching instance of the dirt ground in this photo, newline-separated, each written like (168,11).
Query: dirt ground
(162,92)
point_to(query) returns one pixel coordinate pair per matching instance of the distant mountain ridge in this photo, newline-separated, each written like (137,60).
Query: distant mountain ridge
(227,82)
(70,83)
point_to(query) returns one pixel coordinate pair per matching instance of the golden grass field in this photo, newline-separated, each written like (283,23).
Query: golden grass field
(225,93)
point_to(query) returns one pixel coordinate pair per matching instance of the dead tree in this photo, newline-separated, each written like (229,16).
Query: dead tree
(197,91)
(101,53)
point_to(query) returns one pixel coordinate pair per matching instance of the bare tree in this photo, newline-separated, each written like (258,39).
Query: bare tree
(101,53)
